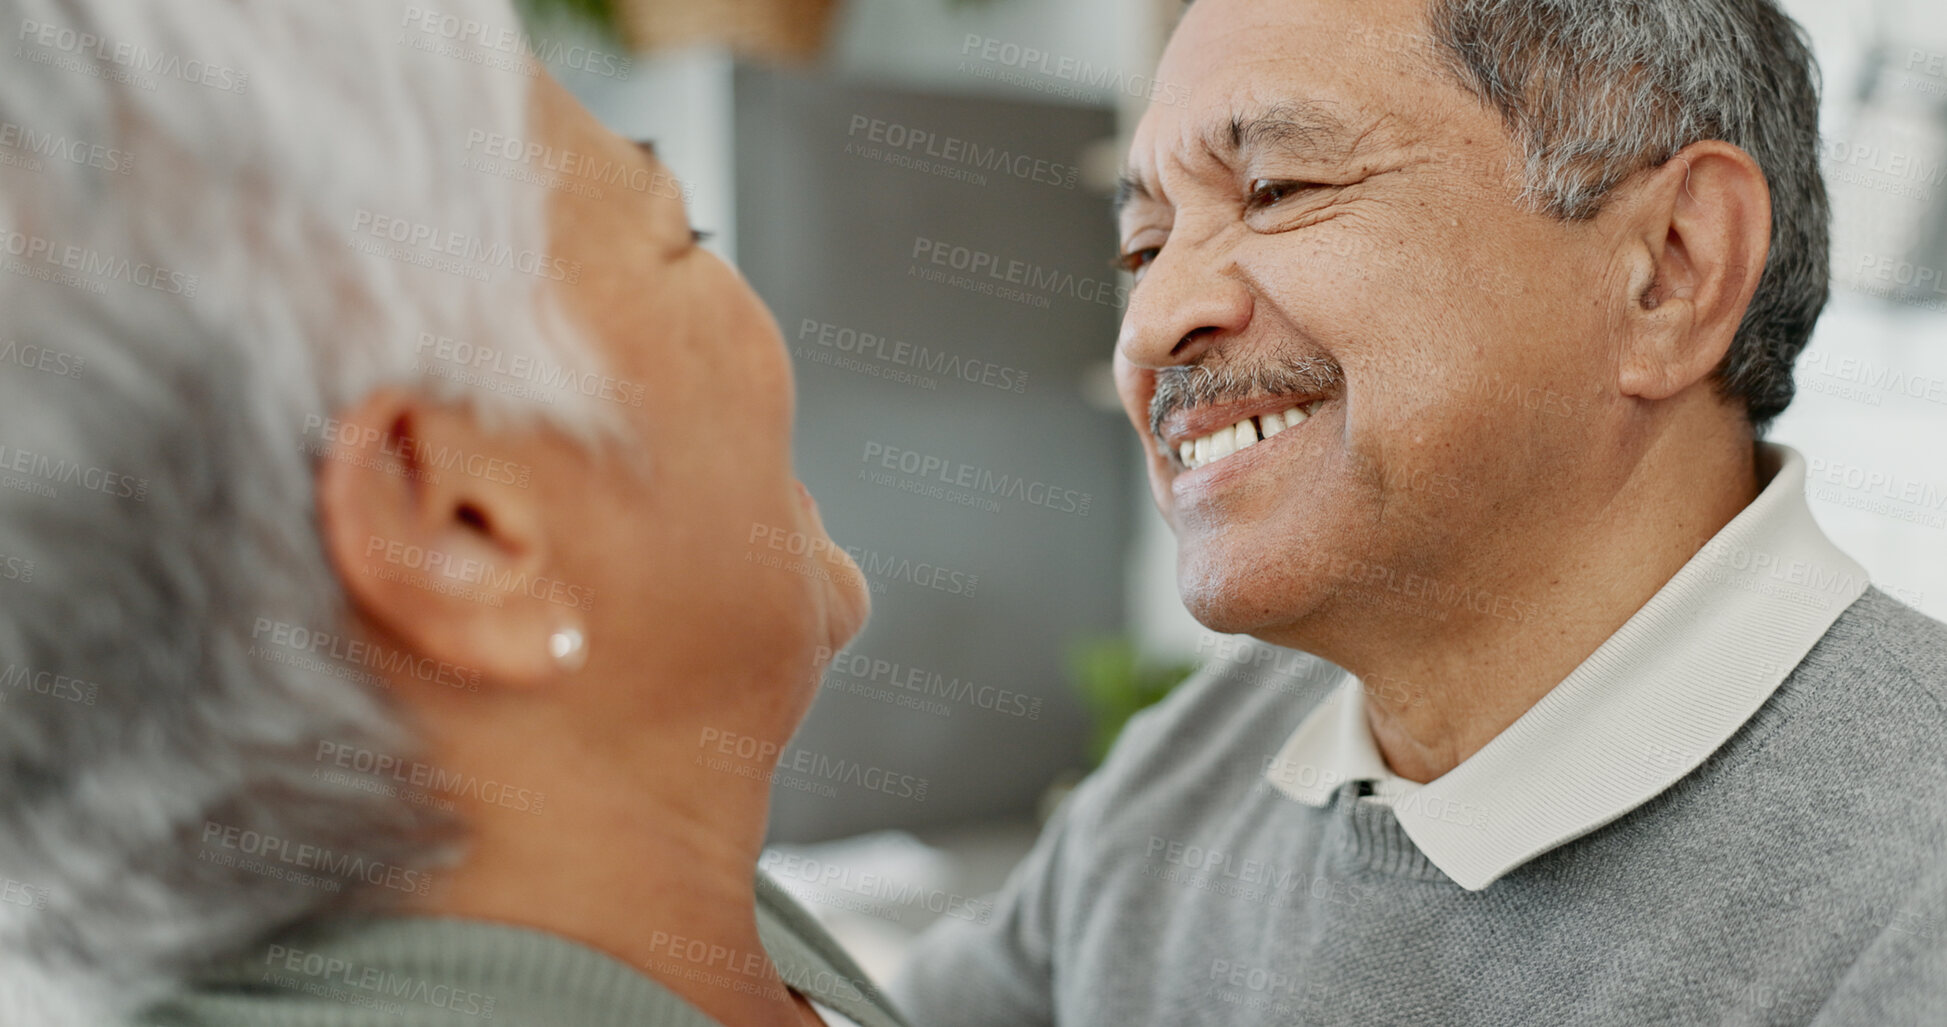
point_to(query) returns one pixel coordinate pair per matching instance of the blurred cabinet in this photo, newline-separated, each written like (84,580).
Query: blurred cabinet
(942,275)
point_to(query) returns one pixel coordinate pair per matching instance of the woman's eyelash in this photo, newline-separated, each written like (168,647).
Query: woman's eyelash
(700,236)
(1135,260)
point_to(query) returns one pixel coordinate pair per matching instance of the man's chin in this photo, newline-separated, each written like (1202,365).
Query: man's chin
(1237,592)
(1231,609)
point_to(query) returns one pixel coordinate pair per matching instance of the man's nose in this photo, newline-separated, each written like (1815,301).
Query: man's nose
(1188,301)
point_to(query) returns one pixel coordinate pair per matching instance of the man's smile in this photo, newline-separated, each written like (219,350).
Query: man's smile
(1194,442)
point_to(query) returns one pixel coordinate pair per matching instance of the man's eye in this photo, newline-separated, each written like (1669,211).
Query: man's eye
(1267,191)
(1135,260)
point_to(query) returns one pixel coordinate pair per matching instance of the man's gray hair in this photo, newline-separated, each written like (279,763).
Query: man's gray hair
(1596,92)
(190,195)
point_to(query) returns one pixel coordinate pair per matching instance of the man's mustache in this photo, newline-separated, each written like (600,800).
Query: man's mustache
(1208,384)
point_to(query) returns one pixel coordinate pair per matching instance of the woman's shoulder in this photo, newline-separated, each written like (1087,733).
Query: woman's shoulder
(401,971)
(813,963)
(411,971)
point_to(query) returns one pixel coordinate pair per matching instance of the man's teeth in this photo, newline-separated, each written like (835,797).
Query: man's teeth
(1248,432)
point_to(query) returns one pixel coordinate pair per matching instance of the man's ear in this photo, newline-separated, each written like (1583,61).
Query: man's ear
(437,538)
(1699,230)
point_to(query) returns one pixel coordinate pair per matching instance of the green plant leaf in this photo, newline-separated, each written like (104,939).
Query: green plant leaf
(601,15)
(1116,683)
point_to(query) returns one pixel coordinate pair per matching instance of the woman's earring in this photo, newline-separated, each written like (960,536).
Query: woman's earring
(569,648)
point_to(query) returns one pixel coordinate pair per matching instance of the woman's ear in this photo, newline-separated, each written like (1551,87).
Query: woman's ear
(439,541)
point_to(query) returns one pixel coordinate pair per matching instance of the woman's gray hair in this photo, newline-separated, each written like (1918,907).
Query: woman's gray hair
(215,220)
(1596,92)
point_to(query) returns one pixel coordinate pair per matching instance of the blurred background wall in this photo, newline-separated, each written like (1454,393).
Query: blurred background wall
(845,154)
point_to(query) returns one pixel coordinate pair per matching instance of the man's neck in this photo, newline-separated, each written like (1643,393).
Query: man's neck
(1435,697)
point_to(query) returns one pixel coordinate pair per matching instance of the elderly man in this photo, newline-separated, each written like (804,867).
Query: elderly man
(1456,326)
(380,642)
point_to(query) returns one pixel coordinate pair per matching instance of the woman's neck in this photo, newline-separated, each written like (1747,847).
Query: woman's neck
(647,853)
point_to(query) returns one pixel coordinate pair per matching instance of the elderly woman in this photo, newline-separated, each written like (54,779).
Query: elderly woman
(385,641)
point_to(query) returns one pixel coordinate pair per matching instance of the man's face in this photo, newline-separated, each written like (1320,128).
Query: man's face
(1328,224)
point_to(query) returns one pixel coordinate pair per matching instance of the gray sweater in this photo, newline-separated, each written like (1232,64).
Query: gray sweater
(1798,876)
(413,971)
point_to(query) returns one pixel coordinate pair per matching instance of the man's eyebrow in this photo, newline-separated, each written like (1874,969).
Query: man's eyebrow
(1299,129)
